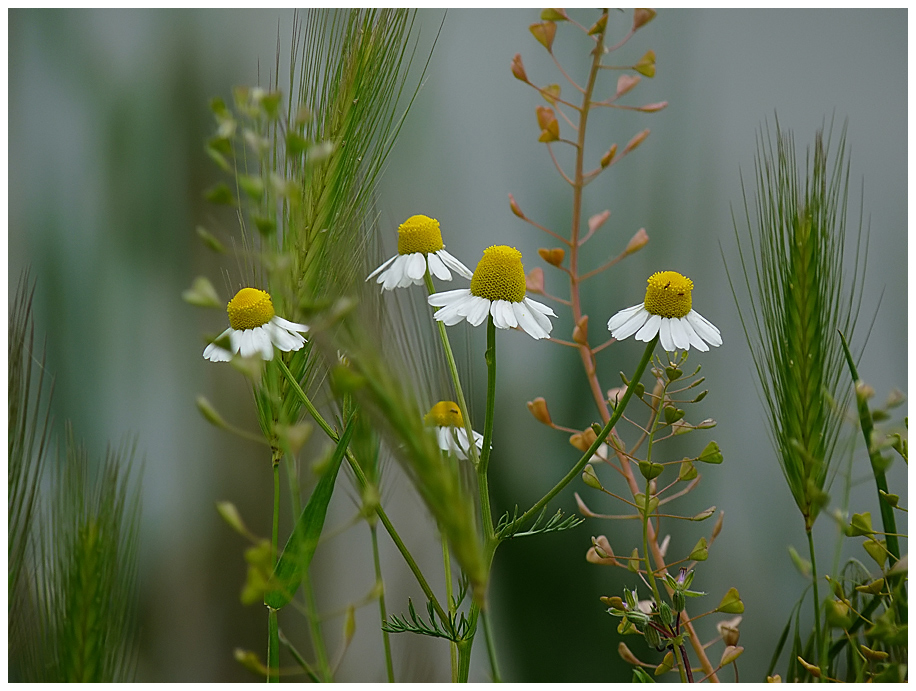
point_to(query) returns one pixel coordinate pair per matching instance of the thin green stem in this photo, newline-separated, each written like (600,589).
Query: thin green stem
(363,482)
(606,430)
(482,480)
(273,636)
(383,612)
(491,647)
(818,634)
(456,381)
(650,572)
(297,656)
(450,603)
(321,652)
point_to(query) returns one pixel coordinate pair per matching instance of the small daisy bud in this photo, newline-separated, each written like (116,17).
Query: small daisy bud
(553,256)
(609,156)
(642,16)
(547,121)
(544,33)
(580,332)
(646,65)
(638,241)
(626,83)
(534,281)
(518,69)
(876,655)
(538,408)
(638,139)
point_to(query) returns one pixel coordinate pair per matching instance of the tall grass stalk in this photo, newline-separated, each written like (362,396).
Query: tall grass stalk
(792,258)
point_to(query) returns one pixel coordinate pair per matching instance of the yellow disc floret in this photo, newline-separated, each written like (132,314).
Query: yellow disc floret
(668,294)
(499,275)
(444,414)
(419,234)
(249,309)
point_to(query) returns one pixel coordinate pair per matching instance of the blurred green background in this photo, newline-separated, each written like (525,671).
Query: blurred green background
(107,118)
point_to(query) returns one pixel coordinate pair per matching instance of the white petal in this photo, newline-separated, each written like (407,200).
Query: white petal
(283,339)
(235,339)
(540,307)
(693,336)
(649,329)
(633,324)
(382,267)
(447,297)
(477,310)
(416,267)
(527,320)
(260,338)
(704,329)
(664,335)
(437,268)
(623,316)
(214,353)
(678,335)
(288,325)
(478,439)
(394,273)
(246,346)
(456,309)
(443,438)
(454,264)
(503,317)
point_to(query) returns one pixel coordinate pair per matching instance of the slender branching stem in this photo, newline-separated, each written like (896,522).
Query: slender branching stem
(491,647)
(297,656)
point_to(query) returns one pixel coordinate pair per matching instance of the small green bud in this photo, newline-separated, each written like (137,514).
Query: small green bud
(673,373)
(731,603)
(673,414)
(700,551)
(652,637)
(666,665)
(633,563)
(590,478)
(679,600)
(711,454)
(650,471)
(664,612)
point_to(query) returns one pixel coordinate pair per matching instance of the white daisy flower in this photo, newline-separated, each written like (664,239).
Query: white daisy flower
(254,329)
(420,249)
(667,312)
(445,416)
(497,289)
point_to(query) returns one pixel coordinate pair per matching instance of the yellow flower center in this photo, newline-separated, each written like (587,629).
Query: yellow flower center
(444,414)
(668,294)
(419,234)
(249,309)
(499,275)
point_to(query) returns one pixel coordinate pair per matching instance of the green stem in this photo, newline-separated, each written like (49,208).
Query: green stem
(456,381)
(877,462)
(618,412)
(450,603)
(321,652)
(297,656)
(650,572)
(383,612)
(273,636)
(482,482)
(491,647)
(363,482)
(818,634)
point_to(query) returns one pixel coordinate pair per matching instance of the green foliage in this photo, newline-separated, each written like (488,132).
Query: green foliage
(793,260)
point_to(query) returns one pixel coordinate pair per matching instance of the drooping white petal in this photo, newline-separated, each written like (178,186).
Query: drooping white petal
(246,344)
(263,343)
(692,336)
(704,329)
(527,320)
(416,265)
(289,326)
(437,268)
(394,274)
(623,316)
(478,438)
(454,264)
(235,339)
(540,307)
(678,335)
(447,297)
(664,335)
(540,313)
(214,353)
(649,329)
(633,324)
(284,339)
(503,316)
(382,267)
(477,309)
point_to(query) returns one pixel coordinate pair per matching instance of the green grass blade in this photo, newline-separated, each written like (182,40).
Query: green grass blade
(299,550)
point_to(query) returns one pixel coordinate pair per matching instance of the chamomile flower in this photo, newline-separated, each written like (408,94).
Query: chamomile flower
(254,329)
(445,416)
(666,311)
(498,289)
(420,247)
